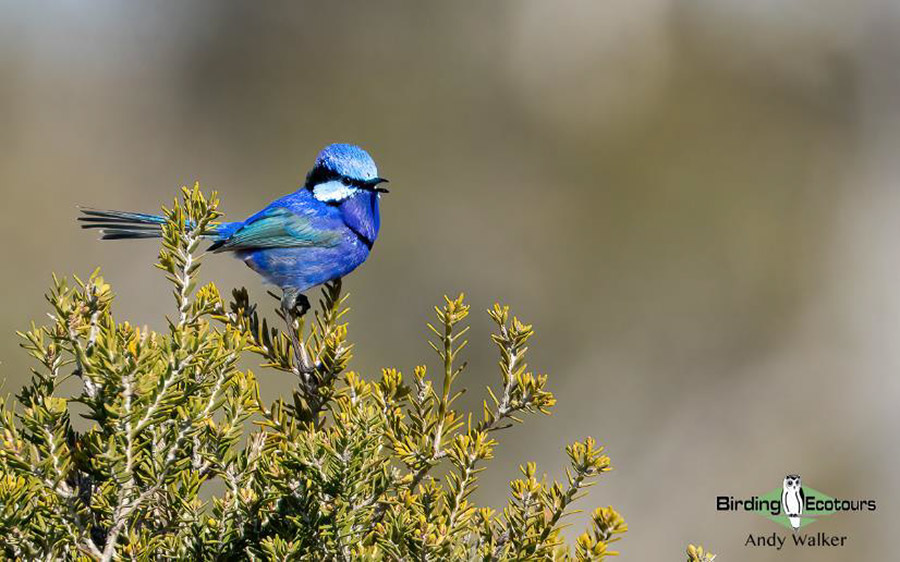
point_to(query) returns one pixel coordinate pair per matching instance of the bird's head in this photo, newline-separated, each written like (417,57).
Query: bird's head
(342,171)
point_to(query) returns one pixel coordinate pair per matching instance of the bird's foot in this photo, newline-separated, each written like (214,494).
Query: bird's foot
(294,306)
(295,303)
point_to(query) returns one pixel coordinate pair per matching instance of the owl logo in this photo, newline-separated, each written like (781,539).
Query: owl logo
(792,499)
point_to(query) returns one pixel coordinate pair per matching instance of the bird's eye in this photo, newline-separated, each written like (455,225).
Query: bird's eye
(345,181)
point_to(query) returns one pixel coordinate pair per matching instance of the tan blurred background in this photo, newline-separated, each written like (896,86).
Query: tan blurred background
(696,202)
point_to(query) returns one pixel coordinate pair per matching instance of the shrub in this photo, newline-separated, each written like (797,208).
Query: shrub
(345,469)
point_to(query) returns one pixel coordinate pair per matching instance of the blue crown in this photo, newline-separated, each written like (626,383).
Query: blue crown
(347,160)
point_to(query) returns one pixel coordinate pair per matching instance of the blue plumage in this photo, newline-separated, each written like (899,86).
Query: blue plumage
(319,233)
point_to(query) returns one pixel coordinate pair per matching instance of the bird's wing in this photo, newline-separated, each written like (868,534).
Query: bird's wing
(277,227)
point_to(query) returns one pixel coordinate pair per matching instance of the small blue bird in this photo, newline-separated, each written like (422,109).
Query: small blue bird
(319,233)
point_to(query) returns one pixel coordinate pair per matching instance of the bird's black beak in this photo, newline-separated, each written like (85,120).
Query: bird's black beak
(373,185)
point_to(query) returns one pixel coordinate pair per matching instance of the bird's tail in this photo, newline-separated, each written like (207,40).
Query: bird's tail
(795,522)
(119,225)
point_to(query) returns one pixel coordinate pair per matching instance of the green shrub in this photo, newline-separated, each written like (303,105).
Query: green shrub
(345,469)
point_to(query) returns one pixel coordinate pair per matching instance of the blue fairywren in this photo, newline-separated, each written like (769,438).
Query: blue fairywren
(319,233)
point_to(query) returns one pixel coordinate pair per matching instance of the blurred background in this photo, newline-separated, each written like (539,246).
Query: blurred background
(696,202)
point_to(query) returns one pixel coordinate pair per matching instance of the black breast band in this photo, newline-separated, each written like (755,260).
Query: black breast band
(368,243)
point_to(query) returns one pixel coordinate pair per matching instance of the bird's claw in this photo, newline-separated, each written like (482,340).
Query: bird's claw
(295,305)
